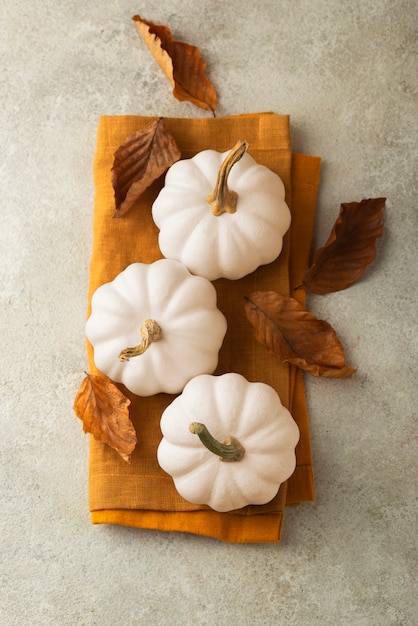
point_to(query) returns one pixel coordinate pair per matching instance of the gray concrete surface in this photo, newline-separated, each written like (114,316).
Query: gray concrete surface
(346,72)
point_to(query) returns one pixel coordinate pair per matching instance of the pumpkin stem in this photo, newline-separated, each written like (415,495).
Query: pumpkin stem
(229,449)
(150,331)
(223,199)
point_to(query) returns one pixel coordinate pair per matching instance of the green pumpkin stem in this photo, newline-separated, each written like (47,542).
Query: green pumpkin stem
(222,199)
(150,332)
(229,449)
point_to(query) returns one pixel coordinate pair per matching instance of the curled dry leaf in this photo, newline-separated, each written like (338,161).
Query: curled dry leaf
(140,160)
(104,411)
(350,248)
(295,335)
(180,62)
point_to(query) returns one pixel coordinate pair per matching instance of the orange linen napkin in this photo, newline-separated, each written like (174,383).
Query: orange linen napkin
(140,494)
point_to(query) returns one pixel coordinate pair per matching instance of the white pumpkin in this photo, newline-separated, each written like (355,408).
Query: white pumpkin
(260,433)
(173,312)
(247,222)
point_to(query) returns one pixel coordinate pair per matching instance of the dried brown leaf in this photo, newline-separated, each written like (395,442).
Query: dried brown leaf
(295,335)
(181,63)
(141,159)
(104,411)
(350,248)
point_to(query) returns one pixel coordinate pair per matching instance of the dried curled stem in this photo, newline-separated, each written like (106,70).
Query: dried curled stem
(150,332)
(222,199)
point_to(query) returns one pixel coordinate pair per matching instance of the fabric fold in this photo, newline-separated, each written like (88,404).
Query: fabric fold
(140,494)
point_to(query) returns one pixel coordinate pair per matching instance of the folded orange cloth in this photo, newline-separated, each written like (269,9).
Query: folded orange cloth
(140,494)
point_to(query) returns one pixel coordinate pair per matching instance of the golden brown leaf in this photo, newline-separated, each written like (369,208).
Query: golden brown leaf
(296,335)
(140,160)
(104,411)
(350,248)
(180,62)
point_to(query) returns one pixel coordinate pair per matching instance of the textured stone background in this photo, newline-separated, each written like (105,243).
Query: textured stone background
(347,75)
